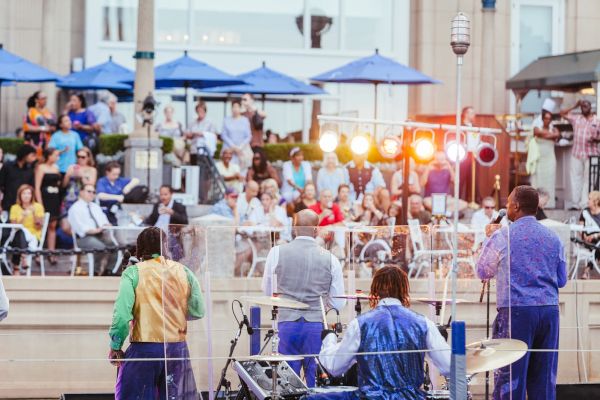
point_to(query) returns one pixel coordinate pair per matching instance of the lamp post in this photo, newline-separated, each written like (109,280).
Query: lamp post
(460,39)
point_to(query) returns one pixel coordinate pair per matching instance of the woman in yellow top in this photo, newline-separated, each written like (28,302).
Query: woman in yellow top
(30,214)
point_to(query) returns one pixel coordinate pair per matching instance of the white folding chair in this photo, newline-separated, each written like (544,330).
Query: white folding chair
(421,255)
(40,247)
(90,258)
(583,255)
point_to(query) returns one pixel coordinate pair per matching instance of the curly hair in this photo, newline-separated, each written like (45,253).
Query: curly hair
(151,241)
(390,281)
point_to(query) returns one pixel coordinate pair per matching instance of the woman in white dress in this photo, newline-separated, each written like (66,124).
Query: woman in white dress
(544,176)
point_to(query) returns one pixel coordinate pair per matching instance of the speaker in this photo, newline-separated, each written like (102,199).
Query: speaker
(578,391)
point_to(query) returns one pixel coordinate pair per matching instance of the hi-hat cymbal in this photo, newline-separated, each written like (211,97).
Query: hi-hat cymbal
(353,296)
(487,355)
(275,301)
(435,302)
(276,358)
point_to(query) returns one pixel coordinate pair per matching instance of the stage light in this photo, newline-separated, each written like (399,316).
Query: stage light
(328,141)
(454,150)
(390,147)
(423,150)
(360,144)
(486,153)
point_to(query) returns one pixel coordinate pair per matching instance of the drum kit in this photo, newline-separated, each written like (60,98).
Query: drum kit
(485,355)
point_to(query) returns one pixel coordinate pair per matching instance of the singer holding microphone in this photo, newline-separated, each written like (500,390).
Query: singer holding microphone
(528,261)
(304,272)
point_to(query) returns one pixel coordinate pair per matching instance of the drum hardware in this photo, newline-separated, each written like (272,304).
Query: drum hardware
(358,296)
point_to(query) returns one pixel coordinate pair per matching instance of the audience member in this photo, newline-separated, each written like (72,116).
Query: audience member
(347,207)
(83,120)
(47,192)
(383,202)
(112,189)
(590,217)
(269,213)
(270,186)
(261,169)
(67,142)
(30,214)
(227,206)
(88,222)
(17,173)
(236,135)
(416,210)
(256,118)
(118,122)
(328,211)
(544,198)
(167,211)
(483,217)
(203,134)
(174,130)
(369,214)
(84,172)
(296,174)
(330,175)
(544,174)
(362,177)
(248,201)
(397,182)
(438,177)
(307,199)
(39,122)
(101,111)
(230,171)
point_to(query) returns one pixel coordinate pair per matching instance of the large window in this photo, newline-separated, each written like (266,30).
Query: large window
(367,24)
(119,20)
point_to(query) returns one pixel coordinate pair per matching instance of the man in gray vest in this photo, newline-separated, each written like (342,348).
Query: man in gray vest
(303,271)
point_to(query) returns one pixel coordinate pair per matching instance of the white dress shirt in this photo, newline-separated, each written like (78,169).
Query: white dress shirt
(259,217)
(245,207)
(337,358)
(4,303)
(164,219)
(81,220)
(337,281)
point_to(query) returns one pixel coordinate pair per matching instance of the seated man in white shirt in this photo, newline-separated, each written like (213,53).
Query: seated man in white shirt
(248,201)
(482,217)
(389,326)
(88,222)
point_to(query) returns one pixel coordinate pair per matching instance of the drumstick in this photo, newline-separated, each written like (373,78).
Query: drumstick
(323,312)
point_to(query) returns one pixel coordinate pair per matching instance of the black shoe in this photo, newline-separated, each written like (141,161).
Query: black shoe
(573,209)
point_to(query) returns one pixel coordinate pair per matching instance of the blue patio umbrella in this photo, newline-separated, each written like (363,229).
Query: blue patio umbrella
(108,75)
(375,70)
(266,81)
(16,69)
(187,72)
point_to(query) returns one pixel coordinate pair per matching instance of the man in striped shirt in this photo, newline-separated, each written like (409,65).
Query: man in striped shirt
(586,136)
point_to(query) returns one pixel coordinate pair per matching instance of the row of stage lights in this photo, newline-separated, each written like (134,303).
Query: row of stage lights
(422,147)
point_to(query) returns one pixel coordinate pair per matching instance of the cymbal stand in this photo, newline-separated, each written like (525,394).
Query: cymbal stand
(358,306)
(274,350)
(487,335)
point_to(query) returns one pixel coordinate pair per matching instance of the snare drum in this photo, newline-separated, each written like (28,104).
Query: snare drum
(438,394)
(333,389)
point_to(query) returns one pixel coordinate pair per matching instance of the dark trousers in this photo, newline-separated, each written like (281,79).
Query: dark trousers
(98,242)
(535,372)
(149,380)
(301,337)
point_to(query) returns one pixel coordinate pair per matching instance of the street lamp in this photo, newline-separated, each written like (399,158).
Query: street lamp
(460,39)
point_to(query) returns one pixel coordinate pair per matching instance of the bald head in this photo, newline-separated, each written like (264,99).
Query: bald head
(305,223)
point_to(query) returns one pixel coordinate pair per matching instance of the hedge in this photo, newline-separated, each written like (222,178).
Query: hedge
(312,152)
(110,144)
(10,145)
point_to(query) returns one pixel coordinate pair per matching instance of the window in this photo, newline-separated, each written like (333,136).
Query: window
(367,24)
(119,19)
(172,21)
(258,23)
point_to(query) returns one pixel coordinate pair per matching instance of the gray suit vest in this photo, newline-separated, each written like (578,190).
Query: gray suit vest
(303,274)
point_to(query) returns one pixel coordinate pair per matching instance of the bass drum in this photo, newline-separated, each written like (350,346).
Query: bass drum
(333,389)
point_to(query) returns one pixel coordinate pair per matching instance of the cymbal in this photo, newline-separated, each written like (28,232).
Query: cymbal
(275,358)
(487,355)
(275,301)
(353,296)
(434,302)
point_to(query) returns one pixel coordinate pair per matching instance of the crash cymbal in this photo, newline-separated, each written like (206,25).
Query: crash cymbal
(438,302)
(353,296)
(275,301)
(276,358)
(487,355)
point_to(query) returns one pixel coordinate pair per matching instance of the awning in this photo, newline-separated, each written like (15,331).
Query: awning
(567,72)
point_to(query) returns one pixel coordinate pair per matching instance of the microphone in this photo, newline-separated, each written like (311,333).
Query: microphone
(245,321)
(501,214)
(338,325)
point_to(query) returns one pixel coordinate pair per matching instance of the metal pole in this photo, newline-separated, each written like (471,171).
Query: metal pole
(406,140)
(459,62)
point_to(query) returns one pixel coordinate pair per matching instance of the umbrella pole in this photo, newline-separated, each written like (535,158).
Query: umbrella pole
(185,88)
(375,110)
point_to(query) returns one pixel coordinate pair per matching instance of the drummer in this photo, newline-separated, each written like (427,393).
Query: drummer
(304,272)
(389,326)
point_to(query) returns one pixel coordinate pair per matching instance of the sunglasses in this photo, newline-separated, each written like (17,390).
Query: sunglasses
(81,156)
(489,207)
(91,191)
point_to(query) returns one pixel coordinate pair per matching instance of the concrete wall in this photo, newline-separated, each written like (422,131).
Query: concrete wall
(55,338)
(47,32)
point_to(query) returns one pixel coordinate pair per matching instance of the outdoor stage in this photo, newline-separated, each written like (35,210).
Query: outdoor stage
(55,339)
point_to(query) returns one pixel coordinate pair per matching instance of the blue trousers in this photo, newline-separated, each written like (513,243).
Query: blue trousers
(535,373)
(301,337)
(149,380)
